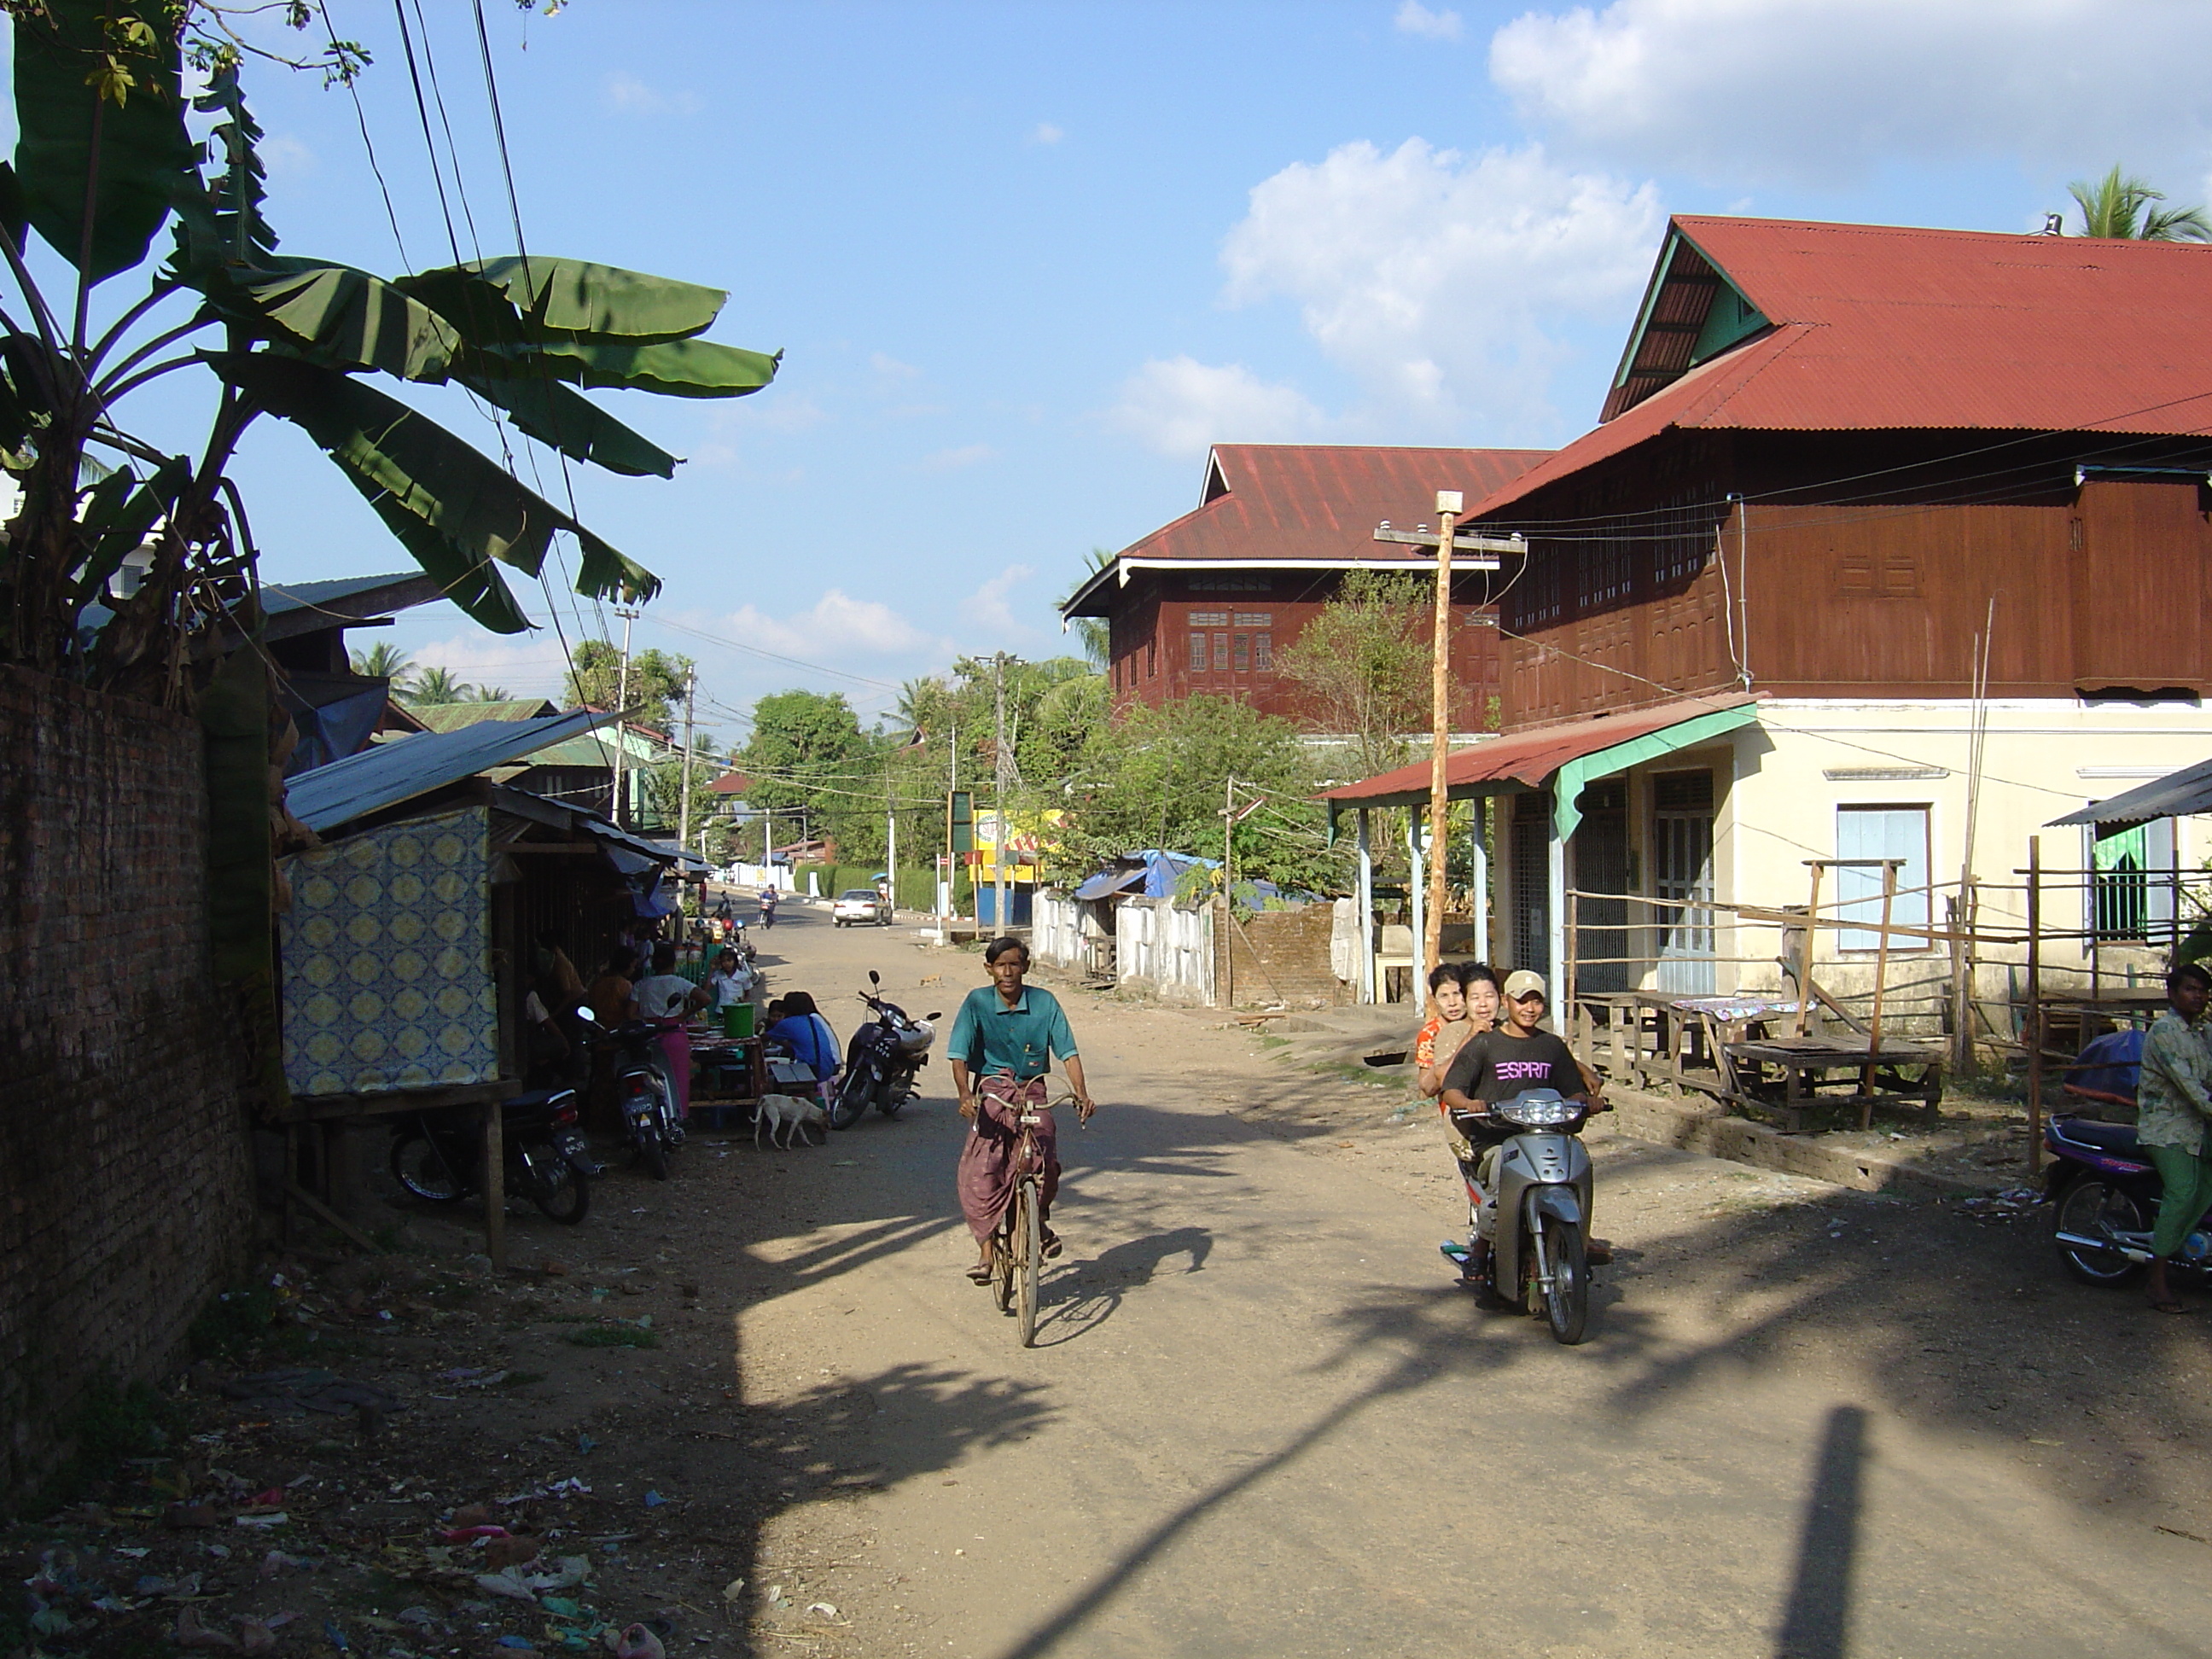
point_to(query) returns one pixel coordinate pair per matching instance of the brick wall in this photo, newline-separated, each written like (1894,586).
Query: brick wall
(125,1185)
(1281,956)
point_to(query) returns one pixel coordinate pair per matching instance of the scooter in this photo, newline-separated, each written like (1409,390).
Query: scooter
(1539,1236)
(2105,1193)
(438,1154)
(767,907)
(650,1126)
(882,1060)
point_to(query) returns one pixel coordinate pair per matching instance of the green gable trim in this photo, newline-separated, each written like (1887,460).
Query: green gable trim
(1567,782)
(1730,319)
(1675,240)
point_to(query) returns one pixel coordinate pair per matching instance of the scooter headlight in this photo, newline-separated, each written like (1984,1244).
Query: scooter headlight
(1539,1109)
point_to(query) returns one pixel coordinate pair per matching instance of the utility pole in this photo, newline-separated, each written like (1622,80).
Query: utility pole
(622,702)
(1001,775)
(1228,883)
(1449,504)
(684,804)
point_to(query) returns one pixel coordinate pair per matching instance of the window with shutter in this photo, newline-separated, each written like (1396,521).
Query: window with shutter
(1882,832)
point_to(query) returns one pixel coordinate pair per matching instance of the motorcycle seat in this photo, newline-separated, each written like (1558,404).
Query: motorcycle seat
(2117,1139)
(535,1097)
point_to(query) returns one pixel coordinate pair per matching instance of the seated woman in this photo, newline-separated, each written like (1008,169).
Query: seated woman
(667,997)
(808,1035)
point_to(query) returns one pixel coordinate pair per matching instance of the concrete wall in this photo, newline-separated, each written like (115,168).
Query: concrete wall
(126,1186)
(1166,950)
(1278,956)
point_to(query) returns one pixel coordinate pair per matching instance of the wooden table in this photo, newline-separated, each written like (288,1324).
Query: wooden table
(719,1108)
(1664,1037)
(1791,1075)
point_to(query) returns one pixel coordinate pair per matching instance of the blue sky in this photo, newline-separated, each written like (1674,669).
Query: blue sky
(1027,261)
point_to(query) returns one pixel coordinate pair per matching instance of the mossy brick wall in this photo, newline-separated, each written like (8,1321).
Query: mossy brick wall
(126,1186)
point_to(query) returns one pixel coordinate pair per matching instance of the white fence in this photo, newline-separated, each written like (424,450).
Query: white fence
(1056,930)
(757,876)
(1168,947)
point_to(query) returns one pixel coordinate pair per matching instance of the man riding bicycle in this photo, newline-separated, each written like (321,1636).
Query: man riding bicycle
(1003,1041)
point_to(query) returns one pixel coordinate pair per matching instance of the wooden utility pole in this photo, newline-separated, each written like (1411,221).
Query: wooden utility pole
(1002,779)
(619,808)
(2034,874)
(683,802)
(1450,503)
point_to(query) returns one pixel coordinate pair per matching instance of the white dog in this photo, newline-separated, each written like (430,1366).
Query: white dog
(789,1114)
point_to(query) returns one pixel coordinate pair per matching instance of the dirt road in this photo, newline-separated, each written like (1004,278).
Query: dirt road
(1260,1419)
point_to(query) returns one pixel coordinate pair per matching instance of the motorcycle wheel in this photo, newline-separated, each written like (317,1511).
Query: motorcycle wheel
(890,1100)
(652,1147)
(2092,1207)
(416,1166)
(564,1195)
(1566,1302)
(852,1103)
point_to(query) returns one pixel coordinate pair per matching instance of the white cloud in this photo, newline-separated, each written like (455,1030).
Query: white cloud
(284,157)
(528,664)
(628,95)
(890,367)
(1045,133)
(728,424)
(1179,406)
(986,606)
(1414,18)
(1436,279)
(951,460)
(838,625)
(1827,89)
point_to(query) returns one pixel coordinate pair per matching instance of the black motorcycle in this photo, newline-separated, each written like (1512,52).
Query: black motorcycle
(438,1154)
(642,1091)
(882,1060)
(2105,1191)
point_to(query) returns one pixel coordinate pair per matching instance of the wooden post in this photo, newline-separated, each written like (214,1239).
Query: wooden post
(1417,989)
(494,1185)
(1805,954)
(1962,982)
(1448,506)
(1881,977)
(1367,986)
(1569,1027)
(2035,1005)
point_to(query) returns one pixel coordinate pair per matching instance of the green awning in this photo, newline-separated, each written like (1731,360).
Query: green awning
(1567,782)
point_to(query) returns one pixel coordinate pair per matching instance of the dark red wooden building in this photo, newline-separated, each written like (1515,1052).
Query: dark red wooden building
(1208,604)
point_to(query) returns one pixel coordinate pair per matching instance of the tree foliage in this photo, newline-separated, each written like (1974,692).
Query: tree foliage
(2127,207)
(654,691)
(383,661)
(104,157)
(1362,664)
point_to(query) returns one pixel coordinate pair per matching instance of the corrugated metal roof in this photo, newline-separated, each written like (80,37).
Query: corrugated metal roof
(393,592)
(1885,327)
(452,716)
(1274,502)
(2178,794)
(1529,759)
(407,766)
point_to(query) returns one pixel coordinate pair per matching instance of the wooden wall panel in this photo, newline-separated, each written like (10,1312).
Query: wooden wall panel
(2139,550)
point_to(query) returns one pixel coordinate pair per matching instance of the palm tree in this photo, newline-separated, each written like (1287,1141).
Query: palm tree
(382,661)
(2126,208)
(493,693)
(1094,632)
(435,685)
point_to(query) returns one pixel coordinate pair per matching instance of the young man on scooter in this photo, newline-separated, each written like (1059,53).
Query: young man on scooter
(2173,1102)
(1495,1065)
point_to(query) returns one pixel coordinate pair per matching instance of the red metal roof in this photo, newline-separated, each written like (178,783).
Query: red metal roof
(1528,758)
(1266,502)
(731,783)
(1880,326)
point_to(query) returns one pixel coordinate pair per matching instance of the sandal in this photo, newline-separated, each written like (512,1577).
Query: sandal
(979,1273)
(1048,1243)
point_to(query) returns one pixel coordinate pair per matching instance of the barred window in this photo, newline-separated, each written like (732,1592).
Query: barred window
(1198,654)
(1243,652)
(1263,652)
(1221,652)
(1255,619)
(1209,619)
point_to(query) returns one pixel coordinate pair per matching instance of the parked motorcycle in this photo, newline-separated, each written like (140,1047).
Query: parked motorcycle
(438,1154)
(650,1126)
(2104,1192)
(1539,1242)
(882,1060)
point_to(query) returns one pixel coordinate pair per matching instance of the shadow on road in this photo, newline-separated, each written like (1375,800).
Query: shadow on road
(1816,1622)
(1088,1293)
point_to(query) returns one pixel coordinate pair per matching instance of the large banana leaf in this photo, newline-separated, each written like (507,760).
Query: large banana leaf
(571,296)
(454,509)
(63,124)
(336,316)
(572,424)
(117,518)
(677,369)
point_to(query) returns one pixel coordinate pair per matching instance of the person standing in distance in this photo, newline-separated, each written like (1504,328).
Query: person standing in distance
(1004,1040)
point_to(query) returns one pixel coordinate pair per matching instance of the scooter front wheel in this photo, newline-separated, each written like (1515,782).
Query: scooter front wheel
(1566,1299)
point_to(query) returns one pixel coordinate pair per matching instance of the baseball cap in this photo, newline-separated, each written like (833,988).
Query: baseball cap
(1520,983)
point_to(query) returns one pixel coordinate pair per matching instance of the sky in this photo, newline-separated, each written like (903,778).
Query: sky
(1026,262)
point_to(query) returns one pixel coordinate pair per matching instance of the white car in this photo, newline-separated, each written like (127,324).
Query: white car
(861,904)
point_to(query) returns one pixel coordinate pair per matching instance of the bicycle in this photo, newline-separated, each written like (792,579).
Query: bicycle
(1018,1245)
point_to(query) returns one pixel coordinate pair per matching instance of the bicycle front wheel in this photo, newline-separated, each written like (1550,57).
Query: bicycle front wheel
(1002,1255)
(1029,1241)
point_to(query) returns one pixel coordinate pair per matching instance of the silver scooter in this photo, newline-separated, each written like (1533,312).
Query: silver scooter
(1540,1241)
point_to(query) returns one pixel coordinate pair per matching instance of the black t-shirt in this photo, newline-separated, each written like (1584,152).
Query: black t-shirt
(1496,1066)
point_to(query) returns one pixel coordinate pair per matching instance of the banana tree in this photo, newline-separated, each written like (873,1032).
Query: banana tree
(104,160)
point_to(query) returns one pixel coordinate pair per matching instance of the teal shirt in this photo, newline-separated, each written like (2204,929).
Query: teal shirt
(2174,1096)
(990,1037)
